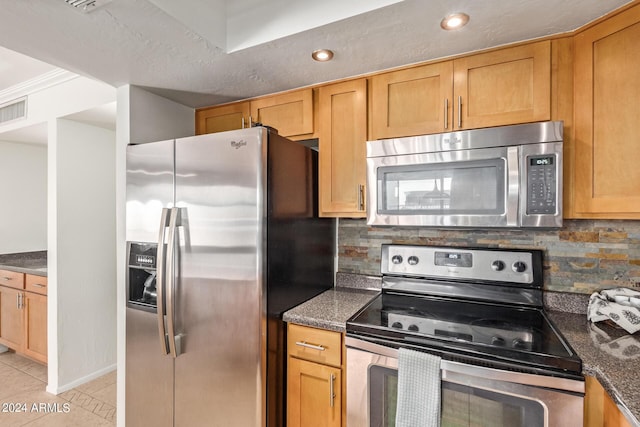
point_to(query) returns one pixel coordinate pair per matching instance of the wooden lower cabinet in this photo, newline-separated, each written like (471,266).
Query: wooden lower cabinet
(23,317)
(315,396)
(35,326)
(11,318)
(599,409)
(315,373)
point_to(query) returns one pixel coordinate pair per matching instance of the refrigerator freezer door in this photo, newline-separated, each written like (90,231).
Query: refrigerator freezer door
(220,313)
(149,374)
(149,188)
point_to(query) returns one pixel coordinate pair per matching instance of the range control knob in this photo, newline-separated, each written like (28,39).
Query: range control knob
(518,344)
(497,265)
(413,260)
(519,266)
(413,328)
(397,325)
(396,259)
(497,341)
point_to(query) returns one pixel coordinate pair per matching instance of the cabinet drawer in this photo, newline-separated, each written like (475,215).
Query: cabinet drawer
(315,345)
(37,284)
(12,279)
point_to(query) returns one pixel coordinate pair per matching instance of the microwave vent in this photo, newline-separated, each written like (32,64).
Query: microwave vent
(13,110)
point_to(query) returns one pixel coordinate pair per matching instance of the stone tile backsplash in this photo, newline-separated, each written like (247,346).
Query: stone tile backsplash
(583,256)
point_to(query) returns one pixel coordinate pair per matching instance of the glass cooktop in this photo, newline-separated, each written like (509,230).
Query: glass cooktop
(507,336)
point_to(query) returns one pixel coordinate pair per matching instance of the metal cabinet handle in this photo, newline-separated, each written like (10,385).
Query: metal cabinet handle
(332,395)
(360,197)
(446,113)
(250,121)
(160,279)
(7,278)
(18,301)
(39,285)
(460,111)
(307,345)
(242,122)
(173,222)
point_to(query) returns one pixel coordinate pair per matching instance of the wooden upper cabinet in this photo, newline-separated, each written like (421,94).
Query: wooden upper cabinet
(607,118)
(222,118)
(412,101)
(342,146)
(290,113)
(503,87)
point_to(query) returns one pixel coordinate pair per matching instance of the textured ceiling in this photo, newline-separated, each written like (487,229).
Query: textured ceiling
(137,42)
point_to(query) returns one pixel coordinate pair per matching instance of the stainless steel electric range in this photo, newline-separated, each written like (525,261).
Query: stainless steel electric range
(481,311)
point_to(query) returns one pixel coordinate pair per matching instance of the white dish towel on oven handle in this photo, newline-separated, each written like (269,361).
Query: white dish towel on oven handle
(419,395)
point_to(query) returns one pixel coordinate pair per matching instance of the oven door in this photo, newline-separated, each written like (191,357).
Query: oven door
(462,188)
(471,395)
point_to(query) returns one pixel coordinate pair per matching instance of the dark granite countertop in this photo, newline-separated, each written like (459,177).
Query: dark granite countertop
(25,262)
(609,354)
(331,309)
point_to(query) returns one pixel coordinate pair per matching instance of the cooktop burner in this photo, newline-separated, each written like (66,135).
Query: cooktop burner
(457,312)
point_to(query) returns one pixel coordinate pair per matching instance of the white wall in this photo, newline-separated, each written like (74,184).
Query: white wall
(142,117)
(82,253)
(23,191)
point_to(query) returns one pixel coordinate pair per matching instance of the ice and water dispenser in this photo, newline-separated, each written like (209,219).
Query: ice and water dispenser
(141,276)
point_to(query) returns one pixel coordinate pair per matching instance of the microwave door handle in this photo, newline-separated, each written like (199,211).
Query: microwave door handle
(513,184)
(171,279)
(160,281)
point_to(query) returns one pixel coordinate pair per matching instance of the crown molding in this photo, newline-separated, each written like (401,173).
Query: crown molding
(43,81)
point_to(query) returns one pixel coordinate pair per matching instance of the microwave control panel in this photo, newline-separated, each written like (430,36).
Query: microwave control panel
(541,185)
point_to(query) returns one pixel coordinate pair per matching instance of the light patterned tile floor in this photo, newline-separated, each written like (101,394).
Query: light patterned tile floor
(24,401)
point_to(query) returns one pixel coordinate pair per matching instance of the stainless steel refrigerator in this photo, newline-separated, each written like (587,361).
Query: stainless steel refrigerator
(223,236)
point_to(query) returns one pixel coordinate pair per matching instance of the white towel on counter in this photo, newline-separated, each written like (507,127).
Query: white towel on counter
(418,402)
(619,305)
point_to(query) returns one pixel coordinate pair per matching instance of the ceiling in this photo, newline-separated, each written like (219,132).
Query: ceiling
(205,52)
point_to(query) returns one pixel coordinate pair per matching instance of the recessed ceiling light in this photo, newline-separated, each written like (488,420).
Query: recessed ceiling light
(322,55)
(454,21)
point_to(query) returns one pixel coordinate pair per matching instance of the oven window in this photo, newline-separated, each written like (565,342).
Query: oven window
(470,187)
(462,406)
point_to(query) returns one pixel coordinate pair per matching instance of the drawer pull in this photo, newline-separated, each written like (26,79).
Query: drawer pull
(40,285)
(7,278)
(307,345)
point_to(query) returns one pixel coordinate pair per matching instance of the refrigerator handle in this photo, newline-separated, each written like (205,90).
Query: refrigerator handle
(160,281)
(171,244)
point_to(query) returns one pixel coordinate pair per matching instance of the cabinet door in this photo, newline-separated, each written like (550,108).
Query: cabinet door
(599,409)
(342,146)
(314,394)
(290,113)
(503,87)
(11,318)
(607,118)
(223,118)
(414,101)
(35,326)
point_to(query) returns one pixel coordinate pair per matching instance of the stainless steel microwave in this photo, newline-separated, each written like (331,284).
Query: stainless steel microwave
(508,176)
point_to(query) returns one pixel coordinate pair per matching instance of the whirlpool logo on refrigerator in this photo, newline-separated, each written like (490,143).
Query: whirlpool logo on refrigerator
(238,144)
